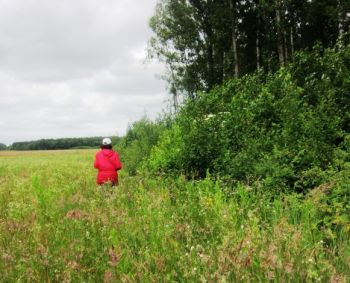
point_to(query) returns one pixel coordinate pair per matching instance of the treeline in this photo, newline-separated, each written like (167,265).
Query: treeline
(265,88)
(62,143)
(204,43)
(287,131)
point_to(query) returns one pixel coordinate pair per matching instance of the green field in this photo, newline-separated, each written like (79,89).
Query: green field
(57,225)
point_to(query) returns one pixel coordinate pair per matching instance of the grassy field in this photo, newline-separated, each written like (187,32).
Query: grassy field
(56,225)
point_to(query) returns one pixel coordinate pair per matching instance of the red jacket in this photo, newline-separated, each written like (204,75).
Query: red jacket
(107,162)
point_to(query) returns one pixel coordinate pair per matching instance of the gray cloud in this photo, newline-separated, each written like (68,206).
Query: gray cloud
(75,68)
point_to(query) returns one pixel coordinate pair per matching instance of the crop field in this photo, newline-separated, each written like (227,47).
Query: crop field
(56,225)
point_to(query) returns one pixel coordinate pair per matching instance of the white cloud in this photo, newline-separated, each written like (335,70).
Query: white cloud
(75,68)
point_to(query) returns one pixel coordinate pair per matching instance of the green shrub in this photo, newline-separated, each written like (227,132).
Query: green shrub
(168,154)
(289,129)
(136,146)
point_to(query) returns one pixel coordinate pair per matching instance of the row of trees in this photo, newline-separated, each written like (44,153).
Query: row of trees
(63,143)
(267,92)
(205,42)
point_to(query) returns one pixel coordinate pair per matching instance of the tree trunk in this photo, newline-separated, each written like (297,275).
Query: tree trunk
(221,66)
(285,46)
(224,74)
(257,48)
(234,37)
(257,39)
(280,45)
(340,23)
(210,64)
(291,42)
(176,102)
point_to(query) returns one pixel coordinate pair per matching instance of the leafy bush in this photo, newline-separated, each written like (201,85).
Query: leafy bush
(167,155)
(289,129)
(136,146)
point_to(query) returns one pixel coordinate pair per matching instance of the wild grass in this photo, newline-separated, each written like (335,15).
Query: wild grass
(56,225)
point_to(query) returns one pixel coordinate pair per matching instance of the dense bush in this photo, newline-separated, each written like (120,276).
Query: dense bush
(289,129)
(166,156)
(136,145)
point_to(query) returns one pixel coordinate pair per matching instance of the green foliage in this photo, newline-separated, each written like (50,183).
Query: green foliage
(3,146)
(167,154)
(136,146)
(289,129)
(205,42)
(190,37)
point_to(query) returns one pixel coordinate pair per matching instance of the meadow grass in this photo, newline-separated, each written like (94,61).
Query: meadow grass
(56,225)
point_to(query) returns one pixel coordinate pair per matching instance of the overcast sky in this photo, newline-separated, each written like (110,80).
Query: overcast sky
(74,68)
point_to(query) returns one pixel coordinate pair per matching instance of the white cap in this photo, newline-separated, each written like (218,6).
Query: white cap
(106,141)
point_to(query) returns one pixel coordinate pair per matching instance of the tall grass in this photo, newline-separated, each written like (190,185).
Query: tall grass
(56,225)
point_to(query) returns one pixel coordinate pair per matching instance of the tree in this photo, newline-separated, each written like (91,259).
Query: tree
(280,32)
(190,37)
(205,42)
(233,9)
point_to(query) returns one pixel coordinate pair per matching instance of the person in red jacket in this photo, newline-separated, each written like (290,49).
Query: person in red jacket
(108,163)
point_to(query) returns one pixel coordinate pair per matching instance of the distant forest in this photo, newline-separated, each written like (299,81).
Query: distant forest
(52,144)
